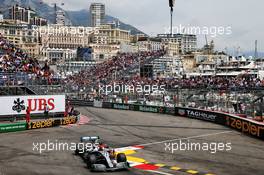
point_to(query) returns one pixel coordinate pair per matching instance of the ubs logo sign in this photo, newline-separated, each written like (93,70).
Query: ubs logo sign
(19,105)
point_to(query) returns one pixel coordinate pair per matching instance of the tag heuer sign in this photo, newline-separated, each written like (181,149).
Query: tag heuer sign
(181,111)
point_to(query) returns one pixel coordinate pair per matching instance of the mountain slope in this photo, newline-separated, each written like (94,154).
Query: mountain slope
(82,17)
(77,18)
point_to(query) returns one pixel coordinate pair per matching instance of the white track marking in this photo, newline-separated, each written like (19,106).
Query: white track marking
(132,164)
(184,138)
(127,148)
(159,172)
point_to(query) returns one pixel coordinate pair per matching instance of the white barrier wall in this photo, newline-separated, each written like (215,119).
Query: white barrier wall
(16,105)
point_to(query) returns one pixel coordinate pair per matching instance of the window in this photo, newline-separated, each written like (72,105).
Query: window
(12,32)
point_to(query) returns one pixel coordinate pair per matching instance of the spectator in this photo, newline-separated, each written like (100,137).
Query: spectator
(46,111)
(14,60)
(28,115)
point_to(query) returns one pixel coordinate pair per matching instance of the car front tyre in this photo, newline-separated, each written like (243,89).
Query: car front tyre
(121,157)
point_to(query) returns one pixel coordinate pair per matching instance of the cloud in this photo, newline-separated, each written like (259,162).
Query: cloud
(151,16)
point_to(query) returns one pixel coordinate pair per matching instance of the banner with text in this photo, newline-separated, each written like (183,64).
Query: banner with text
(13,127)
(17,105)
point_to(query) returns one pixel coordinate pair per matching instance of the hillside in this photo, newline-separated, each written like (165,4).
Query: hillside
(76,18)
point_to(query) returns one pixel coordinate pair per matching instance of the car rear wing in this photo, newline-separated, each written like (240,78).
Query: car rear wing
(90,138)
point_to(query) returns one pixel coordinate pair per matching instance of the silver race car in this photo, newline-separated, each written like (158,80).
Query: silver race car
(101,157)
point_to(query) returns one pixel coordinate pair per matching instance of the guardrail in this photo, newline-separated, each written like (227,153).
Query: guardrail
(81,103)
(33,117)
(13,127)
(52,122)
(38,124)
(243,125)
(246,126)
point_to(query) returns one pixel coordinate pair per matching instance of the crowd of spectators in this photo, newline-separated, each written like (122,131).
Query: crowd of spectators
(218,83)
(221,83)
(15,60)
(108,73)
(121,69)
(111,70)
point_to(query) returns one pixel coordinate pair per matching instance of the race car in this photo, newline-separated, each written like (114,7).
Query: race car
(102,157)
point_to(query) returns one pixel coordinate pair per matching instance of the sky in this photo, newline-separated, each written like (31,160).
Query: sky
(242,18)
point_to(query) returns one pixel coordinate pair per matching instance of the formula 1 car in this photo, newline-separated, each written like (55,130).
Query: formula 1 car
(101,157)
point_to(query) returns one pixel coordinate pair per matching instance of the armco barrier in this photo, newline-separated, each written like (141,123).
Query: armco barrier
(209,116)
(250,127)
(246,126)
(37,124)
(107,105)
(51,123)
(98,104)
(81,103)
(253,128)
(154,109)
(13,127)
(142,108)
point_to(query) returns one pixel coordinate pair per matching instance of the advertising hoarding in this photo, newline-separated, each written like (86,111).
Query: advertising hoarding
(17,105)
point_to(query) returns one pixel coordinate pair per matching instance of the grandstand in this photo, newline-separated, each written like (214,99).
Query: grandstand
(22,75)
(18,70)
